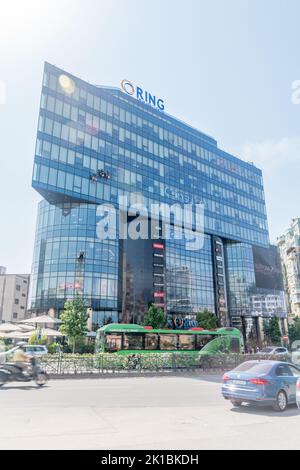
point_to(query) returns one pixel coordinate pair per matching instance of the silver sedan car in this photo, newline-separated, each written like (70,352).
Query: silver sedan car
(274,351)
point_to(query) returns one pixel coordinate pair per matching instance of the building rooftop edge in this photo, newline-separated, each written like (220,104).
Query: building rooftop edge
(116,90)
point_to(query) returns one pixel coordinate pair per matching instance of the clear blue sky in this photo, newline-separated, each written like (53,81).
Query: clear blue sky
(224,66)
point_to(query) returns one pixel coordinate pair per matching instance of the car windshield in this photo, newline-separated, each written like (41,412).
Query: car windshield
(254,367)
(267,350)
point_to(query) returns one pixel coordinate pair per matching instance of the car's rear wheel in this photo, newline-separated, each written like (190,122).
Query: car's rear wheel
(281,401)
(236,403)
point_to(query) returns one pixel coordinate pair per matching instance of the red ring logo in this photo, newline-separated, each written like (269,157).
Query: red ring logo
(127,87)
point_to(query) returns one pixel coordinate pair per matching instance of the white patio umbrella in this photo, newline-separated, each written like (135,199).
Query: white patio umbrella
(49,332)
(3,335)
(10,327)
(19,334)
(41,320)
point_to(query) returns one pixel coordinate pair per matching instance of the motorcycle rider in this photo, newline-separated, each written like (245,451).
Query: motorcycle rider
(21,359)
(17,369)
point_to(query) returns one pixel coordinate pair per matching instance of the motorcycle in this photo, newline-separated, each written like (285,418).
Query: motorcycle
(10,372)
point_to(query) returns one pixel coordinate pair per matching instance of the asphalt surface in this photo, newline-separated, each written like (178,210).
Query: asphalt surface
(184,412)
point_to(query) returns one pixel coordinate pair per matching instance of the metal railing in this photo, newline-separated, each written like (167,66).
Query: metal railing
(101,364)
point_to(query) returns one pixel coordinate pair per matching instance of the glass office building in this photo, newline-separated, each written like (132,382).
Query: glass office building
(96,144)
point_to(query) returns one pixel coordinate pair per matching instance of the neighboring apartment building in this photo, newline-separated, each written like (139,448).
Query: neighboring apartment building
(13,296)
(96,144)
(289,247)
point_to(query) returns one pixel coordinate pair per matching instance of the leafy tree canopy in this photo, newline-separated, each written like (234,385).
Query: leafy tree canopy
(272,331)
(294,330)
(74,318)
(155,317)
(207,320)
(35,338)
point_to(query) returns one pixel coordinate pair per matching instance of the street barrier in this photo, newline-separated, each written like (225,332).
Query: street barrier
(104,364)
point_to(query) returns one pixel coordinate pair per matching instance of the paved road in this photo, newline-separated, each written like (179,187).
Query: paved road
(138,413)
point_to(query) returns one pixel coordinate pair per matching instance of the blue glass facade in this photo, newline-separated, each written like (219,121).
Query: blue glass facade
(87,132)
(68,258)
(189,278)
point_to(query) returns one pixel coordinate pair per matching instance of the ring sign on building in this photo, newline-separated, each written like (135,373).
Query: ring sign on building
(142,95)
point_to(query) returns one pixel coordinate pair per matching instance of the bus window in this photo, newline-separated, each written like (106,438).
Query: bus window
(133,341)
(113,342)
(168,342)
(202,340)
(151,341)
(186,342)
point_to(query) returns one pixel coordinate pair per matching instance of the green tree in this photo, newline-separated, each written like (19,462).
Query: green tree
(74,318)
(155,317)
(272,331)
(294,330)
(35,339)
(207,320)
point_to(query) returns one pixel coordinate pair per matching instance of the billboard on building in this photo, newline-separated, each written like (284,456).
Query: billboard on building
(267,267)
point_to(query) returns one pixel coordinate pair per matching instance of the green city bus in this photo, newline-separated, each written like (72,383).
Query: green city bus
(135,339)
